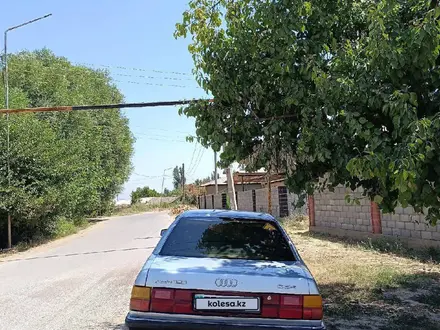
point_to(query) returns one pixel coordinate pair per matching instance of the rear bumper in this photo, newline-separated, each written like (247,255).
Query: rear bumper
(141,320)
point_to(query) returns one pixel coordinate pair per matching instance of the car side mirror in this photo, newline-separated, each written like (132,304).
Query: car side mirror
(163,231)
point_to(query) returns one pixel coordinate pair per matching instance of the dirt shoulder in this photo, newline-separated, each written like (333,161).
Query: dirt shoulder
(367,289)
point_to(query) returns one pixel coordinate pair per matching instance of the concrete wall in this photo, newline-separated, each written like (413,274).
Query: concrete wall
(405,222)
(334,215)
(210,190)
(331,210)
(244,200)
(245,203)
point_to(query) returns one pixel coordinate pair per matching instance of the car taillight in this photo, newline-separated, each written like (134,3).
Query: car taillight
(287,306)
(162,300)
(270,305)
(312,307)
(307,307)
(140,298)
(291,307)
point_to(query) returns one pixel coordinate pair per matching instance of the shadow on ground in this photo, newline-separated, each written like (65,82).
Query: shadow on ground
(112,326)
(411,302)
(387,245)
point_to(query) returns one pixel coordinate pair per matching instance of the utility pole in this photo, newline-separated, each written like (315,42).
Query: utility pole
(269,193)
(231,188)
(5,68)
(215,172)
(183,180)
(163,182)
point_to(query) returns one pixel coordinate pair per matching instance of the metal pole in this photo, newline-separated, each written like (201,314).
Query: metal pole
(183,181)
(269,193)
(215,172)
(163,182)
(5,58)
(7,114)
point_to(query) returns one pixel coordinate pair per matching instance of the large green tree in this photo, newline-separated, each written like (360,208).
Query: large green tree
(332,92)
(61,164)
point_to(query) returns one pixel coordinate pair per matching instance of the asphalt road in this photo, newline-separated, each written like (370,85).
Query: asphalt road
(79,282)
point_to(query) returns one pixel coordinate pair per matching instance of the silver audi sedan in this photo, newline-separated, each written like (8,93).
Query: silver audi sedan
(217,269)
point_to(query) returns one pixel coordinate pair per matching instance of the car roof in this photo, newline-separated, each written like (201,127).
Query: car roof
(230,214)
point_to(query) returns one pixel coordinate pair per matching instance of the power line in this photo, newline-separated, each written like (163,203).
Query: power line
(59,71)
(160,129)
(133,68)
(149,176)
(151,77)
(199,161)
(192,157)
(153,84)
(190,169)
(100,106)
(158,135)
(164,140)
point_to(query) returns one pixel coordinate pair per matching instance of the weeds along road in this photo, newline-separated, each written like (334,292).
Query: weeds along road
(79,282)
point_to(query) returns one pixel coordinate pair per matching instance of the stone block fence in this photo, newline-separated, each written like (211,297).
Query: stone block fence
(330,213)
(256,201)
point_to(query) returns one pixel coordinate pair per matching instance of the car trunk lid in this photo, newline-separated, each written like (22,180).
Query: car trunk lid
(226,275)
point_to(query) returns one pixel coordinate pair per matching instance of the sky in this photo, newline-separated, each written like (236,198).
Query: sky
(131,38)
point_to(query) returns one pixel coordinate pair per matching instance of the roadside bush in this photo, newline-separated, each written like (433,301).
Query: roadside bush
(63,165)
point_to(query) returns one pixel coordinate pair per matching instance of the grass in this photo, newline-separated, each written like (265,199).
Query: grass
(371,284)
(392,247)
(63,228)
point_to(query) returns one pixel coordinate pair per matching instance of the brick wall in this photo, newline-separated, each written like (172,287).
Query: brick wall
(245,200)
(331,210)
(335,216)
(405,222)
(217,201)
(245,203)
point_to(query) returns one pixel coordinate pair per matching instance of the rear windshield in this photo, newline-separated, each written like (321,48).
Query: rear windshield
(231,239)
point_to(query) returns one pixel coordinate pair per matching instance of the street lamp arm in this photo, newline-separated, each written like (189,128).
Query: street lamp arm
(26,23)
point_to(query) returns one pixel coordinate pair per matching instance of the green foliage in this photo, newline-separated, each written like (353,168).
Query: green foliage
(331,92)
(139,193)
(62,164)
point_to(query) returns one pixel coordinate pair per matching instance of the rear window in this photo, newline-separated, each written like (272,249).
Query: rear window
(230,239)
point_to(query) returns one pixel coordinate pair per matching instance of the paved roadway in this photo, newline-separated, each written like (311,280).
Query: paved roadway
(79,282)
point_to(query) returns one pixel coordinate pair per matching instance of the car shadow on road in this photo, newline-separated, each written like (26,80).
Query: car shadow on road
(112,326)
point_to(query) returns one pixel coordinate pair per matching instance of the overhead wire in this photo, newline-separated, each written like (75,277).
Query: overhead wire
(133,68)
(152,84)
(159,129)
(191,168)
(60,70)
(199,161)
(192,157)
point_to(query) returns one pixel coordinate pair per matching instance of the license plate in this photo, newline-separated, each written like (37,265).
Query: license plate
(222,303)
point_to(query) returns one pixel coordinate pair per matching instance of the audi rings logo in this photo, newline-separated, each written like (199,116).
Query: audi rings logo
(226,282)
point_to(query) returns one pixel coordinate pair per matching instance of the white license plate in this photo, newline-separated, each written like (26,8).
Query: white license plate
(222,303)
